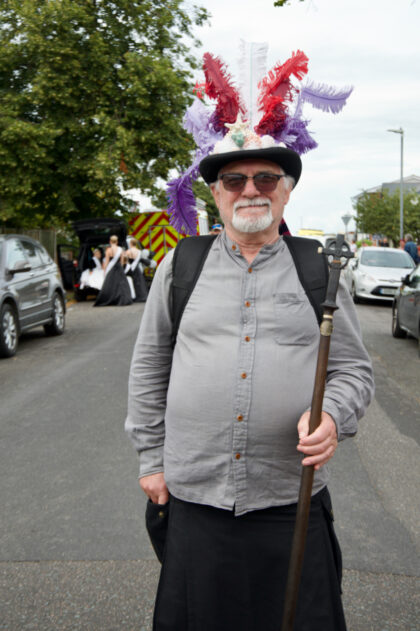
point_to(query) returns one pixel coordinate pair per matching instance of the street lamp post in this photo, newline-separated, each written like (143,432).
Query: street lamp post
(346,218)
(401,132)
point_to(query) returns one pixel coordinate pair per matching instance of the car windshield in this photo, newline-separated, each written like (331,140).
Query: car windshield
(386,259)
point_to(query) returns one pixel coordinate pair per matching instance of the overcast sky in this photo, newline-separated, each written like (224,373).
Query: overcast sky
(373,45)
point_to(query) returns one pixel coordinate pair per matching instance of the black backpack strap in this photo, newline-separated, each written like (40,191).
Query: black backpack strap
(189,257)
(312,269)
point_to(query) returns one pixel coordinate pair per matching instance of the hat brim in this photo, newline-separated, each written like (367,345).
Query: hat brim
(287,159)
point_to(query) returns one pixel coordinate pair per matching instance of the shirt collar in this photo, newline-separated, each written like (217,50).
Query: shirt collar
(265,253)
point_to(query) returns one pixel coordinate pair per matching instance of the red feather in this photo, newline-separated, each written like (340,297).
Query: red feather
(276,89)
(220,87)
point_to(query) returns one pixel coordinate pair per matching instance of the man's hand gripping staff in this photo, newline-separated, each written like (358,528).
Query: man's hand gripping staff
(317,434)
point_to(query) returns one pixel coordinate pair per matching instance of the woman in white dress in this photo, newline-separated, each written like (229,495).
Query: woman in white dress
(94,275)
(115,289)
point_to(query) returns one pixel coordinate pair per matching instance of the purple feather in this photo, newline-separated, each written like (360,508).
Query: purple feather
(182,207)
(295,135)
(198,121)
(325,97)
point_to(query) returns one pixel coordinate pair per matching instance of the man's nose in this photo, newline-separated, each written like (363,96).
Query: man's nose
(250,189)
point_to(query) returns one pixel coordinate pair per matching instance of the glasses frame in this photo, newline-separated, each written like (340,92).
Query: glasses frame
(244,179)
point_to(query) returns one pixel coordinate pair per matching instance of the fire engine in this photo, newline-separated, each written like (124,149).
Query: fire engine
(153,231)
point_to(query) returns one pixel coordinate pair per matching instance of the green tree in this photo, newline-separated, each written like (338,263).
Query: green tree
(202,191)
(92,94)
(380,213)
(282,3)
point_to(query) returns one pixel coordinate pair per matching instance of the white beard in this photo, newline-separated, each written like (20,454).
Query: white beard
(248,223)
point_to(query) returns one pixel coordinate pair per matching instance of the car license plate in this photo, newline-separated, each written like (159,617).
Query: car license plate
(388,291)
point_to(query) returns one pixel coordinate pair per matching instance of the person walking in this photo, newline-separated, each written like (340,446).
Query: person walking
(411,248)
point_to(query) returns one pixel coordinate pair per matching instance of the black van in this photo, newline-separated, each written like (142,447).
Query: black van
(92,233)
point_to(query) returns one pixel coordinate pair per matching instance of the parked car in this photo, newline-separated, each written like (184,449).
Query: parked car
(31,291)
(406,307)
(376,272)
(92,233)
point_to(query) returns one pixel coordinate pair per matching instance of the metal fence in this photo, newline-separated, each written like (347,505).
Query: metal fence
(48,238)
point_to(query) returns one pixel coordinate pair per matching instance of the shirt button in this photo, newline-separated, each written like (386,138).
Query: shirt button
(243,375)
(238,456)
(239,417)
(247,303)
(250,269)
(233,247)
(247,338)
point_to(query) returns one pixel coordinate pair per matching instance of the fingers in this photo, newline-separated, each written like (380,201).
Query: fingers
(155,488)
(303,425)
(318,447)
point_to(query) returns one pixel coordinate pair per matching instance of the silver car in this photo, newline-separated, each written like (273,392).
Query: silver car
(376,272)
(31,291)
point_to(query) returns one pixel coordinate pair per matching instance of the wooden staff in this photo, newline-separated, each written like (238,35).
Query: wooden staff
(339,251)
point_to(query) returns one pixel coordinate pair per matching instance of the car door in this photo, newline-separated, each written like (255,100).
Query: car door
(410,302)
(19,280)
(40,279)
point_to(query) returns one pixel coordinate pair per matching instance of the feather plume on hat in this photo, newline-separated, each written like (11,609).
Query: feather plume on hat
(270,121)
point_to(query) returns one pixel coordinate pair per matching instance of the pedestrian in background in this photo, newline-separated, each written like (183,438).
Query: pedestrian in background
(411,248)
(115,289)
(216,228)
(134,271)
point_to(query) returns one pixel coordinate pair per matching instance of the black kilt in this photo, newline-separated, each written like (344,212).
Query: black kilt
(227,573)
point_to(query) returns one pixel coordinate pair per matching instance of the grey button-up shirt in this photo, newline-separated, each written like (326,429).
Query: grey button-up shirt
(218,413)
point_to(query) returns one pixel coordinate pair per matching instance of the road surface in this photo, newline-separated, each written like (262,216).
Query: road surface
(73,551)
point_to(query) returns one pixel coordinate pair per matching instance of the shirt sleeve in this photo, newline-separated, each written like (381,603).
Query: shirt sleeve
(149,373)
(350,384)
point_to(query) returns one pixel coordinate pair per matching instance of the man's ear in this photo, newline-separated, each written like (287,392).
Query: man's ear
(287,196)
(214,189)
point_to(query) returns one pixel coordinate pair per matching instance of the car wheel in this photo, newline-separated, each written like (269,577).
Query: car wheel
(397,331)
(56,327)
(9,331)
(355,297)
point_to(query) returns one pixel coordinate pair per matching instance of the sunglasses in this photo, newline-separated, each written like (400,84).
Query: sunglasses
(263,182)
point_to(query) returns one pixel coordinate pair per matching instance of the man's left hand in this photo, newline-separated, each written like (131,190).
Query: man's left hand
(319,446)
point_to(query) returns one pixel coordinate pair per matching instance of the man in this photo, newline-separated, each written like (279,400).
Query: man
(232,465)
(411,248)
(216,228)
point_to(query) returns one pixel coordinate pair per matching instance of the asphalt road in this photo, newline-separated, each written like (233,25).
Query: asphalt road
(73,549)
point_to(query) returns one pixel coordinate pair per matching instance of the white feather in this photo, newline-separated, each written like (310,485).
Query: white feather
(252,69)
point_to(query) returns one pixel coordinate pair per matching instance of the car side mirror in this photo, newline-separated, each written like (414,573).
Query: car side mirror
(406,279)
(19,267)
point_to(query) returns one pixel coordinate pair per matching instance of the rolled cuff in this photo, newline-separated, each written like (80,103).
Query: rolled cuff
(151,461)
(345,427)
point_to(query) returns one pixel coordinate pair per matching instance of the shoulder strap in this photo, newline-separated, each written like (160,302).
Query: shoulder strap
(312,269)
(189,257)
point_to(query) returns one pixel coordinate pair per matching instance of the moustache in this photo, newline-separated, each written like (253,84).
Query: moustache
(256,201)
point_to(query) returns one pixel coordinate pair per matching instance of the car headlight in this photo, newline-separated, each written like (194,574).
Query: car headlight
(368,277)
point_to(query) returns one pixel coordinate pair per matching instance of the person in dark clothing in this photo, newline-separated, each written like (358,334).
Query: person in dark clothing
(115,289)
(411,248)
(134,270)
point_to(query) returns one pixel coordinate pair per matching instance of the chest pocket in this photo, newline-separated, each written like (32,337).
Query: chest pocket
(294,320)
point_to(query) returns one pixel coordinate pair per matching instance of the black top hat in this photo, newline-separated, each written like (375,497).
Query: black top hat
(287,159)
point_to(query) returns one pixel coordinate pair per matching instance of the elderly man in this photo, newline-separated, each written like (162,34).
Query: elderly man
(221,420)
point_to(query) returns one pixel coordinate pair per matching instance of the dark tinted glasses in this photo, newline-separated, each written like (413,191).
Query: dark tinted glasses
(263,182)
